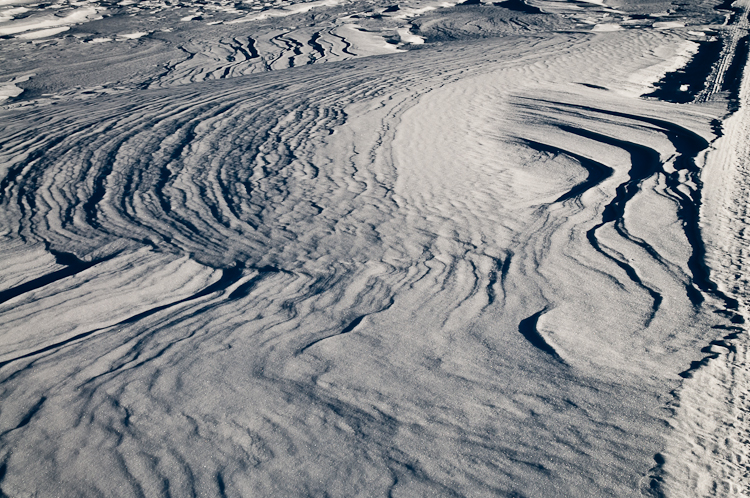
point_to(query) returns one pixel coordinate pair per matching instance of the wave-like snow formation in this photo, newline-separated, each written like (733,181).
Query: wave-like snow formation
(467,270)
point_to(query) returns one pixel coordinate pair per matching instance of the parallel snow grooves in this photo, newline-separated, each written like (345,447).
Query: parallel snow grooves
(709,453)
(645,163)
(683,188)
(642,158)
(731,36)
(328,279)
(117,192)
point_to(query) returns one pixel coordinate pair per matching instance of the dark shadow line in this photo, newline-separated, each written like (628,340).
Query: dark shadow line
(527,328)
(352,325)
(73,267)
(597,172)
(229,276)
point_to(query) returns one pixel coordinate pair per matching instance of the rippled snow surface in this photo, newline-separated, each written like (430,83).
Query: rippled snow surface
(468,268)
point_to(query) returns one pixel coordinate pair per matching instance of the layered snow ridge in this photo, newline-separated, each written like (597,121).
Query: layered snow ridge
(476,268)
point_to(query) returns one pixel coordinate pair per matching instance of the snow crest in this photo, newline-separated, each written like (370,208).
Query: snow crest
(467,269)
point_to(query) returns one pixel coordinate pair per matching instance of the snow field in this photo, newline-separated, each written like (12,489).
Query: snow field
(428,272)
(708,456)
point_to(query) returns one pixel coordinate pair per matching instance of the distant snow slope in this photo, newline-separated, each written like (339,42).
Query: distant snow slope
(103,47)
(472,269)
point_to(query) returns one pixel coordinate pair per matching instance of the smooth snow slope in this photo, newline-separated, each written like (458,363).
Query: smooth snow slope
(472,269)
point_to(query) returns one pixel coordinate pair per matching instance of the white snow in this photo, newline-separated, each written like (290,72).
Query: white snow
(365,42)
(133,36)
(605,27)
(9,14)
(45,22)
(408,37)
(423,252)
(17,2)
(668,24)
(289,10)
(43,33)
(9,89)
(409,12)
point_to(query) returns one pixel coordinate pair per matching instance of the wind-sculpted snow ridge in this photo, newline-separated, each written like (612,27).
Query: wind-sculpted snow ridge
(275,49)
(432,272)
(103,47)
(709,454)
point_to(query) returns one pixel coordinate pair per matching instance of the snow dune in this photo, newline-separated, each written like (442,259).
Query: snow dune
(46,24)
(273,50)
(431,272)
(8,89)
(709,453)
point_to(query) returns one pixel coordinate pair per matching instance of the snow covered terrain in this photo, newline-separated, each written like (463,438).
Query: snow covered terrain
(353,248)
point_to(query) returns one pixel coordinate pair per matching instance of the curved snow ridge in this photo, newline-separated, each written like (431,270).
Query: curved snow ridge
(708,456)
(295,8)
(329,279)
(273,50)
(40,25)
(98,296)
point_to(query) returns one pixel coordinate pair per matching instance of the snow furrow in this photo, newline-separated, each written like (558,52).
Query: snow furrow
(328,279)
(709,453)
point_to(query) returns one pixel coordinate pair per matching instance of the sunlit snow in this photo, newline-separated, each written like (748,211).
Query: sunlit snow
(361,248)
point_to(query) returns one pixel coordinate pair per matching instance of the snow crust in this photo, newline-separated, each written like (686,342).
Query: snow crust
(709,455)
(9,89)
(329,249)
(48,24)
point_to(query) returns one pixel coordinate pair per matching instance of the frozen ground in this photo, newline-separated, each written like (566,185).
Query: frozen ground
(367,249)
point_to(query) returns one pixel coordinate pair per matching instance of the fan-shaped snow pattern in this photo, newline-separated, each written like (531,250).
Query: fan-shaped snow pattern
(456,271)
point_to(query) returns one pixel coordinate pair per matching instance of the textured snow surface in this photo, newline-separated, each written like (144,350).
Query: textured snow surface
(709,456)
(473,268)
